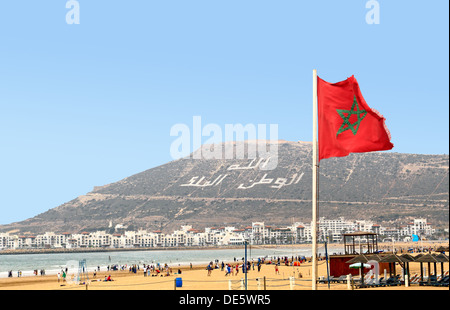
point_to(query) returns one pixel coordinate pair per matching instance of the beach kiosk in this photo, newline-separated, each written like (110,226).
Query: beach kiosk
(360,242)
(355,244)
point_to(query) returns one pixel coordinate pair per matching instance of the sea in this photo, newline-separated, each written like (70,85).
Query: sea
(54,262)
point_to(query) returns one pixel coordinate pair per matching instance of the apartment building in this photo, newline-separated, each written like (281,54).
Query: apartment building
(258,233)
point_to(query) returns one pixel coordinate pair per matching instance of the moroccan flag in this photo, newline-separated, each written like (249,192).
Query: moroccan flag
(346,123)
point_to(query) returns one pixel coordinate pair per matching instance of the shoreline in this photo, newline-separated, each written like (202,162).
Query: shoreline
(179,261)
(387,247)
(382,245)
(104,250)
(194,248)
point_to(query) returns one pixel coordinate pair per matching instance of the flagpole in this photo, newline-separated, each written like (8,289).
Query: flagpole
(315,186)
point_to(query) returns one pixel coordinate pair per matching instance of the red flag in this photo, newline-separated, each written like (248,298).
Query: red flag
(346,123)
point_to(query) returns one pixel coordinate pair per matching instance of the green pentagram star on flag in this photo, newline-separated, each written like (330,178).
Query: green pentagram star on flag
(345,114)
(342,107)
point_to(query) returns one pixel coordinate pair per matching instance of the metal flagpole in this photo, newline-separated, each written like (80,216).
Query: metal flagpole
(326,257)
(315,186)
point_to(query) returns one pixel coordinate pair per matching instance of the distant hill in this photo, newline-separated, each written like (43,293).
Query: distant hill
(381,186)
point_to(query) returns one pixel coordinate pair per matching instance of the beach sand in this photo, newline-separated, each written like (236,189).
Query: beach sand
(197,278)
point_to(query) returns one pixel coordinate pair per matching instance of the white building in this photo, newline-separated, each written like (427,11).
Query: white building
(332,229)
(419,227)
(257,233)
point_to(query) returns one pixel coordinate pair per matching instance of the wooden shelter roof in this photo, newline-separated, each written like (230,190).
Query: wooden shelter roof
(427,258)
(442,249)
(358,259)
(441,258)
(408,257)
(393,258)
(364,258)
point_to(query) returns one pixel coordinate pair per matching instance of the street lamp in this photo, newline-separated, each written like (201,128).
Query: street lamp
(244,268)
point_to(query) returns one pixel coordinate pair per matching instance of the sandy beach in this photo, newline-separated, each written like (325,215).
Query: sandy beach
(197,278)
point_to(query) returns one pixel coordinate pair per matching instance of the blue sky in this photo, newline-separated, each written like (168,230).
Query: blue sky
(89,104)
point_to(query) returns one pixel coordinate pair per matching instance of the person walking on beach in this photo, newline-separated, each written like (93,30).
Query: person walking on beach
(209,269)
(228,270)
(276,269)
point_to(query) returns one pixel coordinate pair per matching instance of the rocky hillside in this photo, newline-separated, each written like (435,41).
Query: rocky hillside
(384,187)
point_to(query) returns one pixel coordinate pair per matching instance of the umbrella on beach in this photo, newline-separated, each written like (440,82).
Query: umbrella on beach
(363,259)
(392,259)
(426,258)
(432,258)
(407,258)
(359,265)
(441,257)
(375,257)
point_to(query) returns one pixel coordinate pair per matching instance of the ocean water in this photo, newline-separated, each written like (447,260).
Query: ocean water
(53,263)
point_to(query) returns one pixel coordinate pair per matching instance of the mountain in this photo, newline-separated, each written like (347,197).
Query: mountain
(384,187)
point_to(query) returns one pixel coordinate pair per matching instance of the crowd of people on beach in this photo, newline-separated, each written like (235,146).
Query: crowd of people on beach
(230,268)
(164,270)
(158,269)
(234,269)
(19,273)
